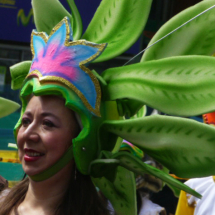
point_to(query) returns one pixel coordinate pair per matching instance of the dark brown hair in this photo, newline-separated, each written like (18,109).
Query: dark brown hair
(81,197)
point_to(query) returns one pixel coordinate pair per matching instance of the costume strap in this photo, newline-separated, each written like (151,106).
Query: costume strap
(63,161)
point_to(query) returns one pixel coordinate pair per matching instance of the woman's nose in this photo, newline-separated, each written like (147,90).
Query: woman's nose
(33,137)
(32,133)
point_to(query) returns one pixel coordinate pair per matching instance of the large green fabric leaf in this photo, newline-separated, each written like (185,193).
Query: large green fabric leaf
(18,73)
(77,22)
(104,168)
(184,146)
(129,108)
(107,167)
(177,86)
(197,37)
(121,193)
(48,13)
(135,165)
(7,107)
(118,23)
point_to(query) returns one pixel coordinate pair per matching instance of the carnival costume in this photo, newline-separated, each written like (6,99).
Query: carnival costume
(106,103)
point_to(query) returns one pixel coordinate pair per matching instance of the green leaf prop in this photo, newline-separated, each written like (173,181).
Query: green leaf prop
(117,22)
(137,166)
(175,190)
(76,20)
(128,107)
(121,193)
(104,167)
(7,107)
(48,13)
(177,86)
(184,146)
(128,161)
(195,38)
(18,73)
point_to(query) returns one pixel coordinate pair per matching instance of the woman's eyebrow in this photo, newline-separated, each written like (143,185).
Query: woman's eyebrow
(28,113)
(50,114)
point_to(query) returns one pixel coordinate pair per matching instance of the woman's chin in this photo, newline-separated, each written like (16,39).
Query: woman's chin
(32,171)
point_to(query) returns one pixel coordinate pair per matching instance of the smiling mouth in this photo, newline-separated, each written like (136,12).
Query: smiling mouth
(32,155)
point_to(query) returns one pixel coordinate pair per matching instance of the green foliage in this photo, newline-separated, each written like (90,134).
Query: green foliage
(184,146)
(76,20)
(121,193)
(7,107)
(177,86)
(181,86)
(47,14)
(117,22)
(18,73)
(195,38)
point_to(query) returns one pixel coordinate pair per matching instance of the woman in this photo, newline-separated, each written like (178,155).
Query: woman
(46,133)
(44,136)
(59,68)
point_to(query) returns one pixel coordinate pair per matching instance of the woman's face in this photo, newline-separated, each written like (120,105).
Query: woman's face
(47,130)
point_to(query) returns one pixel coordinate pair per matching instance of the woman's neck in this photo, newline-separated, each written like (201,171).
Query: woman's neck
(44,197)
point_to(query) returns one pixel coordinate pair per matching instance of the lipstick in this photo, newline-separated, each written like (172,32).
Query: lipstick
(32,155)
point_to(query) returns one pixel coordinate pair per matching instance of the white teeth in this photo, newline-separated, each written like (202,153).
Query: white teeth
(33,154)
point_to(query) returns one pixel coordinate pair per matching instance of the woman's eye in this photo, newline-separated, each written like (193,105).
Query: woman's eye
(25,122)
(48,123)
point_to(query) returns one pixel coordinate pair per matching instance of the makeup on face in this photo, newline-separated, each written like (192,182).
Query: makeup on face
(46,133)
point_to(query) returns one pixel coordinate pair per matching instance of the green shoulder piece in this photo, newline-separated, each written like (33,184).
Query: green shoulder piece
(7,107)
(184,146)
(118,24)
(76,20)
(18,73)
(48,13)
(197,37)
(182,85)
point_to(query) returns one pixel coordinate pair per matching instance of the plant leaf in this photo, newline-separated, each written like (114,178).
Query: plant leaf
(77,22)
(182,85)
(121,193)
(48,13)
(130,108)
(135,165)
(7,107)
(104,167)
(118,24)
(184,146)
(18,73)
(196,37)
